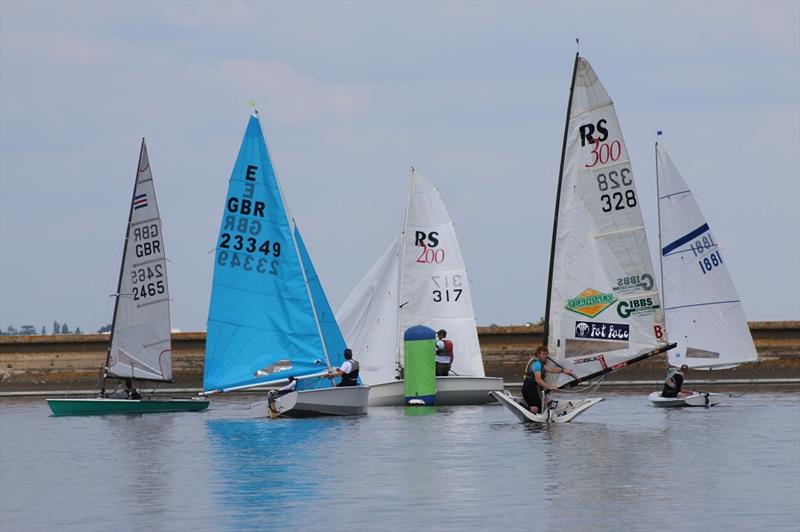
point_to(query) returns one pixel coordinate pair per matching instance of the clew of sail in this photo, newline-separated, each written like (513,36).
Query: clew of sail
(604,309)
(261,323)
(140,344)
(703,311)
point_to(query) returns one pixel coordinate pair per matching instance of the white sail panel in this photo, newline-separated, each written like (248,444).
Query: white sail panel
(434,292)
(140,338)
(435,289)
(368,318)
(703,312)
(605,307)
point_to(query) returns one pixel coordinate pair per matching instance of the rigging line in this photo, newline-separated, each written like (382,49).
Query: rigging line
(704,304)
(674,194)
(687,250)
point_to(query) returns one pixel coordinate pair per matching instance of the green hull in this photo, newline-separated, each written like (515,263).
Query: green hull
(98,406)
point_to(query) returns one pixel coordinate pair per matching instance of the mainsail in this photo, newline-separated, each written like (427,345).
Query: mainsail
(140,344)
(703,311)
(420,279)
(604,309)
(262,320)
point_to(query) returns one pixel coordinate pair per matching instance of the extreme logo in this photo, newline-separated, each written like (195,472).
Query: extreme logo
(590,302)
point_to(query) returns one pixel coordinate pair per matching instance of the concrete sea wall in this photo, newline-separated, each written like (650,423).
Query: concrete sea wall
(71,362)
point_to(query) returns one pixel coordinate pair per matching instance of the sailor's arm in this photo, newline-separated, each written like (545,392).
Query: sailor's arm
(541,382)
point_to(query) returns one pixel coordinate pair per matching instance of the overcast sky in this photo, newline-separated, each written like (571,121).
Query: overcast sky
(351,95)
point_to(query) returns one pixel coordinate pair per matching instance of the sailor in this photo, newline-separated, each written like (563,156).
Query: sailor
(348,370)
(286,388)
(444,354)
(130,391)
(534,383)
(674,381)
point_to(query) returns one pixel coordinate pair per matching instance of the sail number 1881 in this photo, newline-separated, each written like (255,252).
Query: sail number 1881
(710,262)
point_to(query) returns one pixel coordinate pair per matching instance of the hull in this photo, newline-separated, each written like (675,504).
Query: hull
(696,399)
(450,391)
(100,406)
(565,411)
(337,401)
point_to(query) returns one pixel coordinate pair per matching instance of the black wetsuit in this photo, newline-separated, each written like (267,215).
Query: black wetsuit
(531,391)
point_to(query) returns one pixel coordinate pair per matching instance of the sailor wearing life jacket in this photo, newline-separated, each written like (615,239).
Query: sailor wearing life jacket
(348,370)
(674,381)
(444,354)
(534,384)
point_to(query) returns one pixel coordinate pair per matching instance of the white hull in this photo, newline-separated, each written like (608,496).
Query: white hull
(565,412)
(337,401)
(696,399)
(450,391)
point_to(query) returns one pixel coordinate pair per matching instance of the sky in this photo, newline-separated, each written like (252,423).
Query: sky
(351,95)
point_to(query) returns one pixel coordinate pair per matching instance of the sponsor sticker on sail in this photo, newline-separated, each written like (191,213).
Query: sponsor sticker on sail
(590,302)
(638,306)
(602,331)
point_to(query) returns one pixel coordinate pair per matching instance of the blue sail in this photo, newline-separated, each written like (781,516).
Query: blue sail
(331,334)
(261,325)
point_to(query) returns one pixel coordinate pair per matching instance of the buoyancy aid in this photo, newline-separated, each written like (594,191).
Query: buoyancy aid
(529,373)
(671,388)
(445,351)
(351,379)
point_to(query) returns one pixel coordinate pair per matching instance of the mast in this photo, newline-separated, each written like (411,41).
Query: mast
(401,277)
(308,287)
(660,254)
(121,267)
(293,228)
(546,335)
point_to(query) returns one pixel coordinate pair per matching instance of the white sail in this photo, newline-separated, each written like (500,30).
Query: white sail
(604,306)
(140,337)
(431,288)
(369,316)
(703,312)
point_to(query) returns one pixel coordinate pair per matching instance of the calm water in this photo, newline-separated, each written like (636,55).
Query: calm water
(623,465)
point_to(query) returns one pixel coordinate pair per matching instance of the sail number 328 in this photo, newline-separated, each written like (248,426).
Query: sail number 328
(616,200)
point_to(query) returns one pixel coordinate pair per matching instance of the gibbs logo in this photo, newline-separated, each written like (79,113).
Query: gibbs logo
(590,302)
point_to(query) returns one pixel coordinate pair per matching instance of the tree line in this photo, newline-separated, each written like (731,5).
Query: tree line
(58,328)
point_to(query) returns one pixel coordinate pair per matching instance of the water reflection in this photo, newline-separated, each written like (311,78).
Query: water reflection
(622,465)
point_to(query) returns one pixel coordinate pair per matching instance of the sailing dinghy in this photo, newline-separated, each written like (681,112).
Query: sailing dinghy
(268,318)
(603,309)
(420,280)
(140,343)
(703,311)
